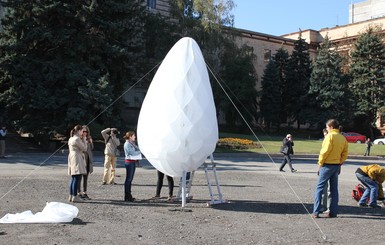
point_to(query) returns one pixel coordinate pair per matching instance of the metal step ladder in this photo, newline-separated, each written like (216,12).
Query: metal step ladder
(211,169)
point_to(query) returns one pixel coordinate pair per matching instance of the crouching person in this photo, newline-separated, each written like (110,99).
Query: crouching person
(372,177)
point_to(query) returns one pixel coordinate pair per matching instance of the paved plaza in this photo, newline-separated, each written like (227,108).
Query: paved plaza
(264,206)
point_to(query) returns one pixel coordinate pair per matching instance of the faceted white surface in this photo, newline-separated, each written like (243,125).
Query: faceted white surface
(177,125)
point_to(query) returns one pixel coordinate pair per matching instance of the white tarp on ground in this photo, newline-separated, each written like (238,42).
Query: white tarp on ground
(54,212)
(177,125)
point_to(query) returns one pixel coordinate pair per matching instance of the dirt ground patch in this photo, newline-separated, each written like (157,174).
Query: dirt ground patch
(264,206)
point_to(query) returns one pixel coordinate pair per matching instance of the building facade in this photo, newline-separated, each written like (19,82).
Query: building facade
(366,10)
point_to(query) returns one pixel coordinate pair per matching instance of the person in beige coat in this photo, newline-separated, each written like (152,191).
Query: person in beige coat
(110,154)
(76,162)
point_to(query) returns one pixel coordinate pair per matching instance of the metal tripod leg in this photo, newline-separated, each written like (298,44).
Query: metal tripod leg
(185,183)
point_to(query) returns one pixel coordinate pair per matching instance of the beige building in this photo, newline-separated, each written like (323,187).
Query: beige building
(366,10)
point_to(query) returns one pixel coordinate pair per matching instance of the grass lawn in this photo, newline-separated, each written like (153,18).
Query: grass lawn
(272,145)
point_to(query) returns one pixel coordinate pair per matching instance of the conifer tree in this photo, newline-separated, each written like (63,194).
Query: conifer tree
(281,59)
(65,61)
(238,77)
(368,76)
(296,84)
(328,88)
(270,104)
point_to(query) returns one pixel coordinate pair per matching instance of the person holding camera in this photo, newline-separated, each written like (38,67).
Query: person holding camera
(3,133)
(287,149)
(110,154)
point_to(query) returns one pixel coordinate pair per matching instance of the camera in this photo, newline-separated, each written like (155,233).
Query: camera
(115,131)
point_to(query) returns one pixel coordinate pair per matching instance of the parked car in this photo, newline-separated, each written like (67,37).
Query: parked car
(353,137)
(379,141)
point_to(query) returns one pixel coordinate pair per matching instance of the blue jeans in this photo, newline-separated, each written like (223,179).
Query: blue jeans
(130,171)
(74,184)
(371,190)
(329,172)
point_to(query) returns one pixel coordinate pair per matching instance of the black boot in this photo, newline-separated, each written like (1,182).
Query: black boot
(128,198)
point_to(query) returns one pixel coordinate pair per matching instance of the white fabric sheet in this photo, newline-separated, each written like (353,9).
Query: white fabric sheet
(54,212)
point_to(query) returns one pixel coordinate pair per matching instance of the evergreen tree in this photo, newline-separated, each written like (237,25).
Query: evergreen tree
(270,104)
(368,77)
(239,76)
(281,59)
(328,88)
(65,61)
(296,84)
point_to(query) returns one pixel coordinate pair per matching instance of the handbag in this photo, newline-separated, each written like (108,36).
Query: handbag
(284,149)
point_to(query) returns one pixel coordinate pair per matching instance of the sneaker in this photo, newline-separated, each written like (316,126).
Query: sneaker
(362,205)
(281,170)
(70,198)
(315,216)
(85,196)
(76,199)
(103,183)
(324,210)
(375,206)
(112,183)
(129,199)
(330,215)
(294,170)
(170,199)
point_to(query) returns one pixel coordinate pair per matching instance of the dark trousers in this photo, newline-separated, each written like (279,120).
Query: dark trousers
(159,185)
(74,184)
(130,172)
(85,180)
(286,159)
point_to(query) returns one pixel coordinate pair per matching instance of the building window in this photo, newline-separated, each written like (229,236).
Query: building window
(267,55)
(151,4)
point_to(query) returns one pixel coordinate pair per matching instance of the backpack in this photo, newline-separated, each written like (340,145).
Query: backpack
(358,191)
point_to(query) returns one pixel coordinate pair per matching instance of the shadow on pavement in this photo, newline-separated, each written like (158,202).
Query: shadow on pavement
(296,208)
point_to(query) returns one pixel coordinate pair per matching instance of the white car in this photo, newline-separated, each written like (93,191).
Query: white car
(379,141)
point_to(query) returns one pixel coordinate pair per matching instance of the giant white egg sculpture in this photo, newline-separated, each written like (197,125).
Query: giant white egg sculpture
(177,125)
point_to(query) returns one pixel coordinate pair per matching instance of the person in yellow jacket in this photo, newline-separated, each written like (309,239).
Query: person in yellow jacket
(333,153)
(372,177)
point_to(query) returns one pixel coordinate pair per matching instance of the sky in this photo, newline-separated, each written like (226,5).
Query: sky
(279,17)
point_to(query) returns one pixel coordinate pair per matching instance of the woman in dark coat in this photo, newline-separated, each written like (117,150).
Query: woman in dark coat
(287,150)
